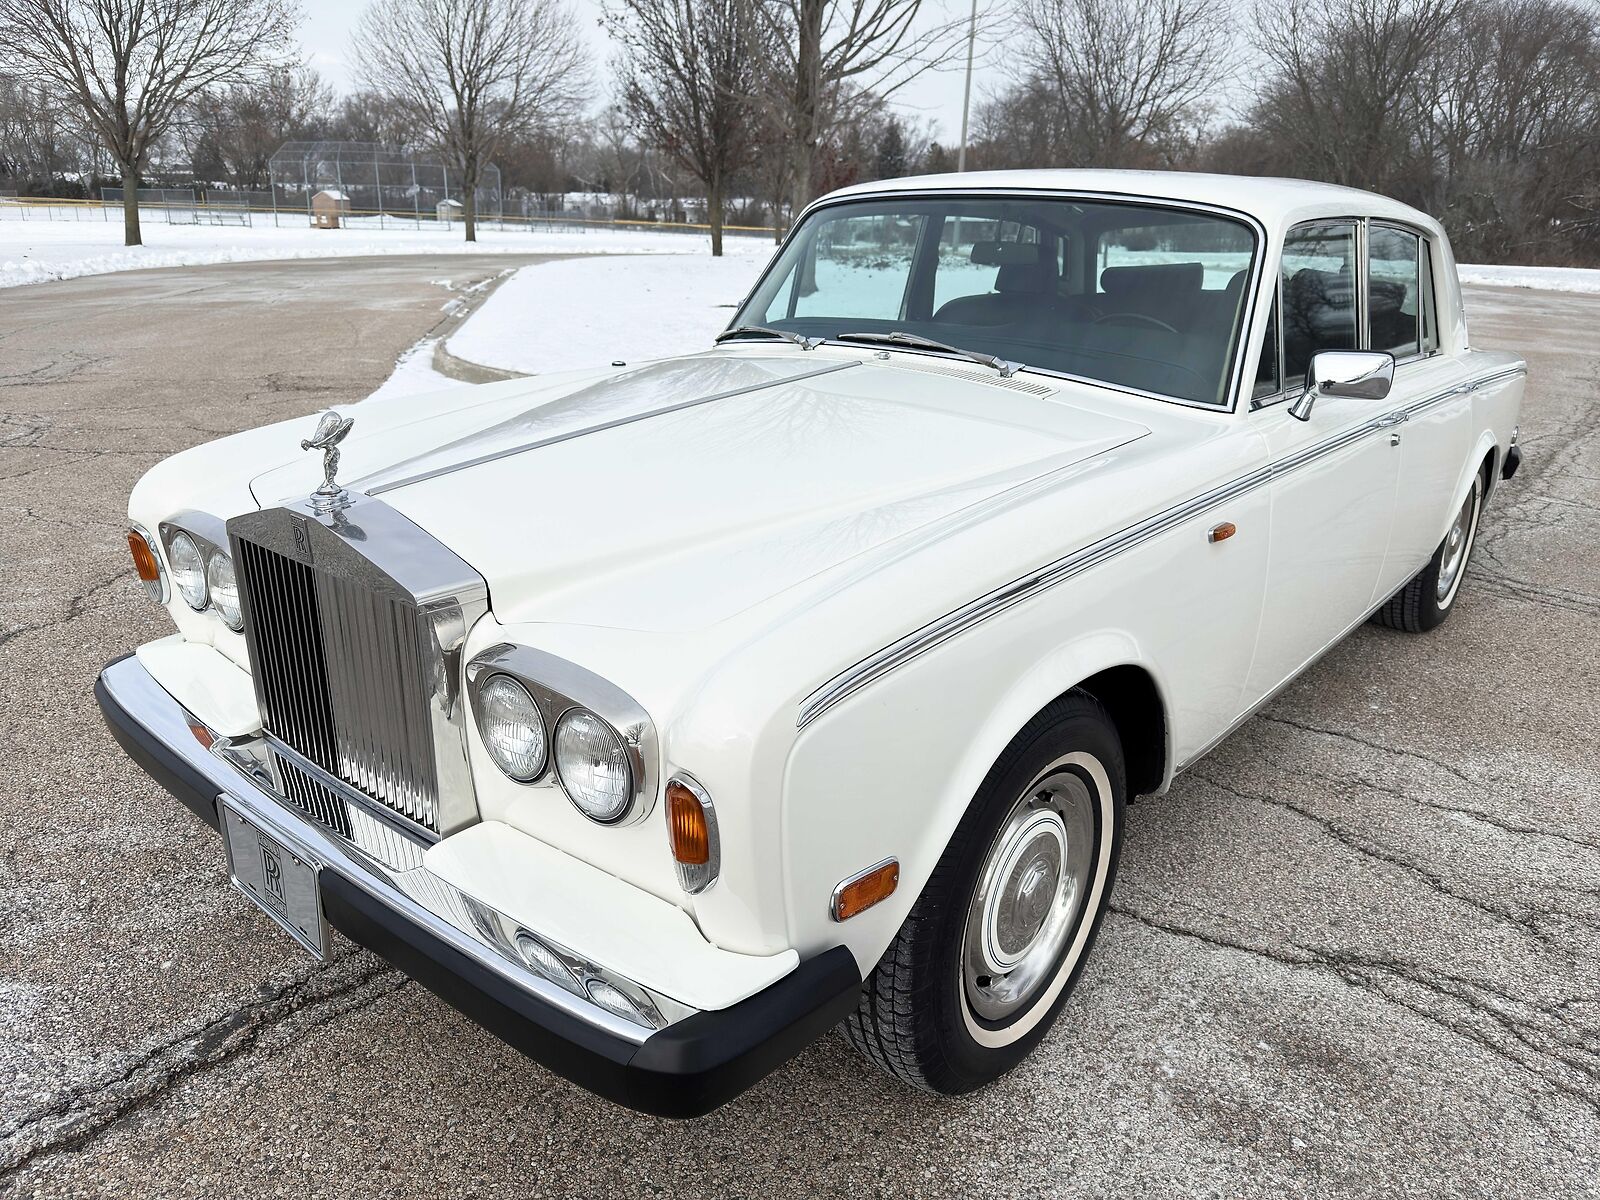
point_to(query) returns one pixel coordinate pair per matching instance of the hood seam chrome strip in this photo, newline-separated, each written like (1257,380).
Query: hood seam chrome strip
(941,629)
(568,436)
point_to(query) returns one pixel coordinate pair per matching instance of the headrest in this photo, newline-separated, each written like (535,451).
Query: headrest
(1007,254)
(1167,278)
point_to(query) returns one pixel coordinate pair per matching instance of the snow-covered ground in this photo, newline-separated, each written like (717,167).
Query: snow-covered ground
(36,251)
(1550,279)
(564,315)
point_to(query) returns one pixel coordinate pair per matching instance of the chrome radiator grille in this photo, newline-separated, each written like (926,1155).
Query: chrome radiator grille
(348,664)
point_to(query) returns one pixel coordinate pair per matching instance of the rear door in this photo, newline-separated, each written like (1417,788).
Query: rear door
(1436,436)
(1333,492)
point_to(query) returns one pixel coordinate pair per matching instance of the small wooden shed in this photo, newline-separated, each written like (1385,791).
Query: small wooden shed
(327,207)
(449,210)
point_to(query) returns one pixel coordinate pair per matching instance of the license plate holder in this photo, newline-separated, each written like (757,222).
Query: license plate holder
(280,877)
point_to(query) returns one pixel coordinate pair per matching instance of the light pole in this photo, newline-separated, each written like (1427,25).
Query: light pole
(966,98)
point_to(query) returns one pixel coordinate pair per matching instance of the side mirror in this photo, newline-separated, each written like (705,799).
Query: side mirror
(1358,374)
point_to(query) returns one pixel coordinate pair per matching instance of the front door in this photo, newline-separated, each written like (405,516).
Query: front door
(1333,494)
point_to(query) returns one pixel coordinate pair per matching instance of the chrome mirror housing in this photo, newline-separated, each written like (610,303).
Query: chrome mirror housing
(1357,374)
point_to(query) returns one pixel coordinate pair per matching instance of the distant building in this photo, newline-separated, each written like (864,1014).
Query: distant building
(327,207)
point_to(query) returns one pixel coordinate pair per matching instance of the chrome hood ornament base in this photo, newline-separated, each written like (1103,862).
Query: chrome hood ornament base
(330,431)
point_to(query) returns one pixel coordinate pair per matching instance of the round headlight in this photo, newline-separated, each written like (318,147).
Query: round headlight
(224,590)
(512,728)
(188,571)
(593,766)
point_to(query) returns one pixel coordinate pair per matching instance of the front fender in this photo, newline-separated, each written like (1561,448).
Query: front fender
(891,772)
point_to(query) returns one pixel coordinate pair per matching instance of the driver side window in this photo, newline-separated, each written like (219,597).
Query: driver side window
(1319,294)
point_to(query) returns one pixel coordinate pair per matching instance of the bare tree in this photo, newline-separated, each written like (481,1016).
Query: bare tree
(834,54)
(473,72)
(131,66)
(690,70)
(1340,90)
(235,130)
(1131,75)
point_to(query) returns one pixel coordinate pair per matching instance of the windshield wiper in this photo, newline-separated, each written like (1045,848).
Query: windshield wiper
(799,339)
(917,342)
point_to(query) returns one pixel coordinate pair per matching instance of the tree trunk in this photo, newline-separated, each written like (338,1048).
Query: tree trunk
(469,199)
(807,103)
(130,207)
(714,213)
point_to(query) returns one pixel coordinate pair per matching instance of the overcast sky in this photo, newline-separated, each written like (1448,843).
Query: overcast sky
(935,96)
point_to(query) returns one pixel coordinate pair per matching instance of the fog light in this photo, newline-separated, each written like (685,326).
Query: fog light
(615,1001)
(545,961)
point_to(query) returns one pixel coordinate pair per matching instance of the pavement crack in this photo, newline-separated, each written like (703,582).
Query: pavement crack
(76,607)
(1524,924)
(1538,1039)
(82,1113)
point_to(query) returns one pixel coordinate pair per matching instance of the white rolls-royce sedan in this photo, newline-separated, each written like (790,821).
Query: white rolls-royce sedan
(664,717)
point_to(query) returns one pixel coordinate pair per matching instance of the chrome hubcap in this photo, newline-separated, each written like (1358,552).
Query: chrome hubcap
(1455,547)
(1029,894)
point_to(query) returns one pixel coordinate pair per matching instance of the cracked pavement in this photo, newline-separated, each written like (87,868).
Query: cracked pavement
(1356,950)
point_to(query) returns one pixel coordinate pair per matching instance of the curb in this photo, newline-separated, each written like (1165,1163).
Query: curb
(471,300)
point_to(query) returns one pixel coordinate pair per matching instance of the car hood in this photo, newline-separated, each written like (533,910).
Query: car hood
(675,495)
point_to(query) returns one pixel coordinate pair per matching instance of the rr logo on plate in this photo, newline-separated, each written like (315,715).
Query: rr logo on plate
(272,874)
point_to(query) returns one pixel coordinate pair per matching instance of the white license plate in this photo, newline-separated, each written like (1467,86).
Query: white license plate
(281,879)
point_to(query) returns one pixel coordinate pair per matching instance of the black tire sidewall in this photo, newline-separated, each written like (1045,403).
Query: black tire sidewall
(1080,726)
(1430,614)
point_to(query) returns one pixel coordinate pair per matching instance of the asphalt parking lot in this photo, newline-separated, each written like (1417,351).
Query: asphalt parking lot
(1355,951)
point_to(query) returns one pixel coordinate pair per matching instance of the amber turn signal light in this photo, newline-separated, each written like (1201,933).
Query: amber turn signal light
(686,821)
(861,892)
(144,558)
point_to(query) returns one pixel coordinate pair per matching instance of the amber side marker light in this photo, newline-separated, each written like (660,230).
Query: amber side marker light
(1221,533)
(144,558)
(861,891)
(686,822)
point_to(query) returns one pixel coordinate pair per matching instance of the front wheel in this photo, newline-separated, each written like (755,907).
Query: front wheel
(1425,602)
(992,947)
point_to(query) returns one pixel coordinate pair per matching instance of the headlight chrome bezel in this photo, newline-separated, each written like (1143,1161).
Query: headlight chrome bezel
(559,687)
(209,536)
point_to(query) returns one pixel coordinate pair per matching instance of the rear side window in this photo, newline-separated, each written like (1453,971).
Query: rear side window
(1319,294)
(1394,291)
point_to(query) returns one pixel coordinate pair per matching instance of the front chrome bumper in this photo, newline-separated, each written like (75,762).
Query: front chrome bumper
(463,950)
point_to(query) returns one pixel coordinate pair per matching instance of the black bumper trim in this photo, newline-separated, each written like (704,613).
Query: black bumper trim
(684,1070)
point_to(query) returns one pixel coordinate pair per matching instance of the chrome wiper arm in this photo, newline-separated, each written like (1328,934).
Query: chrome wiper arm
(915,341)
(799,339)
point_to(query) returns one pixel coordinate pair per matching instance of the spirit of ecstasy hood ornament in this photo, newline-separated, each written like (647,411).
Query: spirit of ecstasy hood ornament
(331,430)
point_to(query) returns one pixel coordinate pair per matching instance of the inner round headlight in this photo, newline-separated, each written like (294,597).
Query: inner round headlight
(224,588)
(512,728)
(593,766)
(188,571)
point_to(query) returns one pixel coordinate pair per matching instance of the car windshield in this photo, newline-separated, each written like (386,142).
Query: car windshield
(1139,296)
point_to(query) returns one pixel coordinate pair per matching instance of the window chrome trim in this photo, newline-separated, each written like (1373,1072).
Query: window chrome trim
(558,687)
(935,633)
(1236,383)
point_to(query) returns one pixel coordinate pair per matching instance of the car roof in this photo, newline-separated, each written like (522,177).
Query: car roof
(1277,203)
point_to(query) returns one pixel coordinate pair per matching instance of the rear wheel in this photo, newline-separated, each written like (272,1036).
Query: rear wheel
(1425,602)
(992,947)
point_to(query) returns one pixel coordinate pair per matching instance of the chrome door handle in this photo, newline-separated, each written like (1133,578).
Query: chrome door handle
(1394,418)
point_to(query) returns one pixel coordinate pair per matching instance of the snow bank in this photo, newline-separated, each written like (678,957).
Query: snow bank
(565,315)
(1552,279)
(41,251)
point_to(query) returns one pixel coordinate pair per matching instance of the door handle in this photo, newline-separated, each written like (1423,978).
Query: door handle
(1395,418)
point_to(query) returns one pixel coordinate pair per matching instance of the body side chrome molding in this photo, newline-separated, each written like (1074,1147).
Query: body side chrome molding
(539,443)
(941,630)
